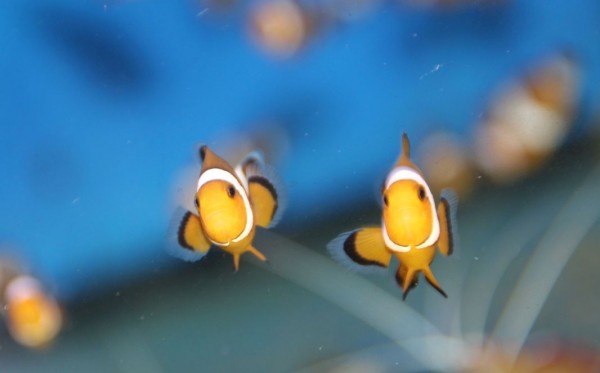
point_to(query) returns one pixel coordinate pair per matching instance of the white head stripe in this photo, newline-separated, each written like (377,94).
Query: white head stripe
(240,174)
(407,173)
(213,174)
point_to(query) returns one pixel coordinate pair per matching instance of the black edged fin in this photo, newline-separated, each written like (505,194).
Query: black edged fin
(265,201)
(448,227)
(433,281)
(437,287)
(265,190)
(185,239)
(361,250)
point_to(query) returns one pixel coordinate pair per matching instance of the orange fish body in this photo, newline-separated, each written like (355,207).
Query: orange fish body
(230,203)
(411,228)
(33,317)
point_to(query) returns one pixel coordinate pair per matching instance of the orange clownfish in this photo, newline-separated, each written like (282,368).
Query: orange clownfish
(411,228)
(230,204)
(33,317)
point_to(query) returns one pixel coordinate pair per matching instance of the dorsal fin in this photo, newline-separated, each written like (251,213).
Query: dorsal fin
(404,159)
(211,160)
(405,146)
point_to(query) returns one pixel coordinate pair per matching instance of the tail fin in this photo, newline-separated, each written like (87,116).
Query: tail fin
(432,281)
(401,280)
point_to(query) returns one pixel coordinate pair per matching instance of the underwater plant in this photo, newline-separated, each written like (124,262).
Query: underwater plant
(462,342)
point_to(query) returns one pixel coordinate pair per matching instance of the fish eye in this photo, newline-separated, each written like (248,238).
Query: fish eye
(421,193)
(231,191)
(385,200)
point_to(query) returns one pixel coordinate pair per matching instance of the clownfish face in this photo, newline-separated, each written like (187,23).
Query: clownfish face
(407,213)
(222,211)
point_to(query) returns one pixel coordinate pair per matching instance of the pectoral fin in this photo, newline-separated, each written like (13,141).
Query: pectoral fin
(190,234)
(447,216)
(185,239)
(361,248)
(264,199)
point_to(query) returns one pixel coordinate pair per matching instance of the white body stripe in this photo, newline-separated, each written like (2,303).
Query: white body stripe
(21,287)
(240,174)
(407,173)
(213,174)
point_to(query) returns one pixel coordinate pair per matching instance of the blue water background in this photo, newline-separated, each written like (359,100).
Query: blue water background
(102,103)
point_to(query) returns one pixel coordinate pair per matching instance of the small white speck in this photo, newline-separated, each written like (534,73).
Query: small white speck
(436,68)
(321,348)
(75,201)
(142,318)
(415,35)
(118,293)
(476,257)
(479,176)
(202,12)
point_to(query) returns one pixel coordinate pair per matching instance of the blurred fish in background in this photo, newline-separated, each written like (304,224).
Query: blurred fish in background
(33,316)
(529,119)
(281,27)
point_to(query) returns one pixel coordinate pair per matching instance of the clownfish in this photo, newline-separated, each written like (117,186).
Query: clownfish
(33,317)
(529,119)
(230,203)
(411,228)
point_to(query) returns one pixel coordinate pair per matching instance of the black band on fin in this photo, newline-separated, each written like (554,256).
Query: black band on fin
(181,232)
(268,186)
(202,152)
(350,250)
(449,223)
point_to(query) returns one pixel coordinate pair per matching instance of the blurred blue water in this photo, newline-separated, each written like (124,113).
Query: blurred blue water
(101,104)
